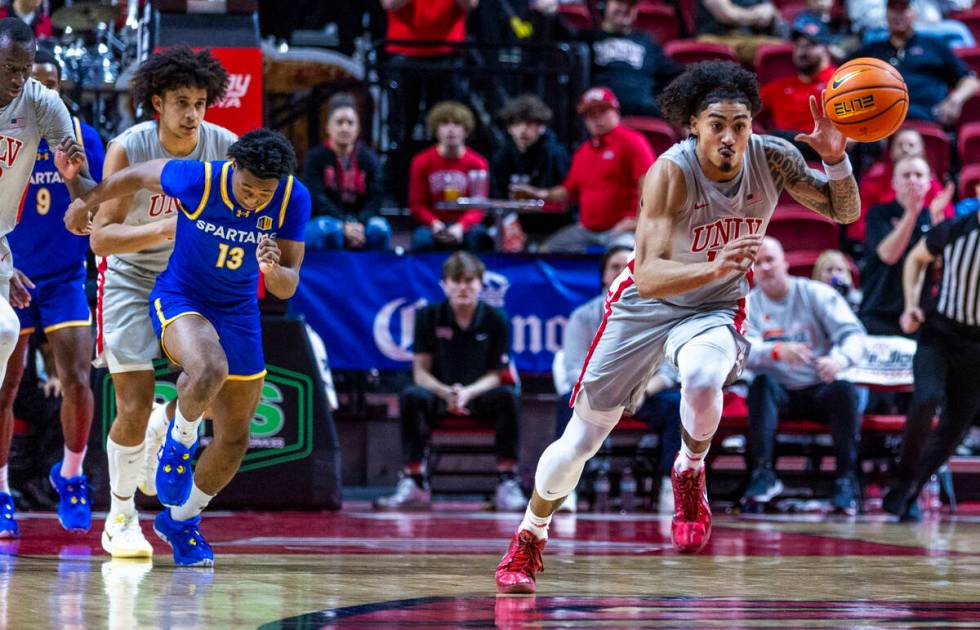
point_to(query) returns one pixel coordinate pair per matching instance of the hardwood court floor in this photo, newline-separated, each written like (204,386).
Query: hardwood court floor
(363,569)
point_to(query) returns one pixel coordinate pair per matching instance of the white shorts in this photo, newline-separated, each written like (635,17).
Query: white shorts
(126,341)
(636,334)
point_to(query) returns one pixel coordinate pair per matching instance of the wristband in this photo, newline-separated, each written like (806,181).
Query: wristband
(841,170)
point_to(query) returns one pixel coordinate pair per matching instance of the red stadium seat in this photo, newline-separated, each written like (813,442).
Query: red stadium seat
(801,262)
(774,61)
(970,56)
(789,10)
(970,112)
(659,21)
(686,51)
(577,16)
(969,176)
(798,228)
(971,18)
(937,145)
(659,133)
(968,143)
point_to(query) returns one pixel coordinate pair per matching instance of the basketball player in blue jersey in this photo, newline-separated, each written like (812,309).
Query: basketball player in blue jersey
(237,217)
(54,260)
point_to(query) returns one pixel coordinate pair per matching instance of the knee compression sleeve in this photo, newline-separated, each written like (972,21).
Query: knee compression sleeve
(561,464)
(704,364)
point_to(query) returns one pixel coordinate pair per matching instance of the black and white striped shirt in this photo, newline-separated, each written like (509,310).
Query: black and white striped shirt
(958,242)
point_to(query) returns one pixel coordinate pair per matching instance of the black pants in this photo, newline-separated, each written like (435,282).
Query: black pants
(420,408)
(835,403)
(929,370)
(953,356)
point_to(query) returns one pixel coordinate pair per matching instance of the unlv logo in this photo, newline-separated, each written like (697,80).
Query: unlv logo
(161,205)
(714,235)
(9,150)
(237,89)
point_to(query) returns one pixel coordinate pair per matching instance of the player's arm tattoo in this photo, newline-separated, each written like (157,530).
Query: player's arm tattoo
(837,199)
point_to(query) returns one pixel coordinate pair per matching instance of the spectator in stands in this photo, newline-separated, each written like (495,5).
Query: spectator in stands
(841,38)
(832,268)
(499,22)
(893,229)
(415,22)
(969,205)
(605,179)
(876,185)
(31,12)
(344,178)
(461,352)
(742,24)
(444,173)
(938,81)
(786,101)
(661,405)
(532,155)
(803,336)
(629,61)
(869,18)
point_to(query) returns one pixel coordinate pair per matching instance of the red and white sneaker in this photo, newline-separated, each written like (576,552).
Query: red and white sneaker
(515,573)
(691,527)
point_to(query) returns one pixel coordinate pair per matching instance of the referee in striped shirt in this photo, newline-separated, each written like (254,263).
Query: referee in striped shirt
(948,351)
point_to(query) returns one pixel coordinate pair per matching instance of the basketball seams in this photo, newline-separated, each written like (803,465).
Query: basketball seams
(867,87)
(864,79)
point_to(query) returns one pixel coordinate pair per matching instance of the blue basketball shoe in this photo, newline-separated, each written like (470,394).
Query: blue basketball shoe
(174,476)
(74,506)
(8,526)
(190,548)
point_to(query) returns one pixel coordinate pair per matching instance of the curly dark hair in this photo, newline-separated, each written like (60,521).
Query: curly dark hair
(706,83)
(264,153)
(175,68)
(525,108)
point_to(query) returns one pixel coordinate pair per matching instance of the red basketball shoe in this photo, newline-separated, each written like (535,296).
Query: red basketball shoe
(691,527)
(515,573)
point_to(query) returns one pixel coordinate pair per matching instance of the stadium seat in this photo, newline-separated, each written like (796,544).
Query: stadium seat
(789,10)
(937,145)
(659,21)
(801,262)
(971,18)
(686,51)
(774,61)
(970,112)
(970,56)
(659,133)
(576,16)
(968,143)
(969,176)
(798,228)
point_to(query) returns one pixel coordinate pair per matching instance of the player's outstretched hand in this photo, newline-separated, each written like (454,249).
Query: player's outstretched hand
(268,253)
(20,290)
(826,139)
(68,158)
(77,218)
(738,254)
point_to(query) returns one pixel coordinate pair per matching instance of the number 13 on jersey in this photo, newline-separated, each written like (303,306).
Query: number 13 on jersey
(229,257)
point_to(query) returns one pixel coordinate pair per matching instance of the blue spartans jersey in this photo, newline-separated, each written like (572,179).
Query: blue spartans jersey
(214,248)
(40,243)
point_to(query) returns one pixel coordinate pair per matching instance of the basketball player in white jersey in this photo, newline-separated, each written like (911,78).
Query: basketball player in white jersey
(134,237)
(703,212)
(28,112)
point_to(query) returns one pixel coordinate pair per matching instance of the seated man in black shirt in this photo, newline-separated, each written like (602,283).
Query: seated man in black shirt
(532,155)
(939,82)
(893,229)
(460,353)
(632,64)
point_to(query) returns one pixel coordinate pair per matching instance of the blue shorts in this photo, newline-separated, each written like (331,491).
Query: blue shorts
(57,301)
(239,331)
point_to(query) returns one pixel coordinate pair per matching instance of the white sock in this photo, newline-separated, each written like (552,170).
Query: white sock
(125,468)
(194,505)
(185,431)
(158,420)
(4,484)
(688,459)
(537,525)
(71,464)
(126,507)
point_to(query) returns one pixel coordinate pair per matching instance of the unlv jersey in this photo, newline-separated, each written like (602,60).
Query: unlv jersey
(717,212)
(142,143)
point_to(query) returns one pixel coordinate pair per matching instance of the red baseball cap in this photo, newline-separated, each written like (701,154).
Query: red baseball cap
(599,96)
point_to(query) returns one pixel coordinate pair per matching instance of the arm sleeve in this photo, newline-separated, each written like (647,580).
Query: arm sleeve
(297,214)
(184,181)
(424,342)
(94,152)
(499,343)
(53,119)
(938,237)
(320,201)
(419,199)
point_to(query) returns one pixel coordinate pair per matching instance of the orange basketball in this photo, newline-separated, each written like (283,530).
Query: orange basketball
(866,99)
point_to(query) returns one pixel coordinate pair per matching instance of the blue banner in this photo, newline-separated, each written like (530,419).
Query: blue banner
(363,304)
